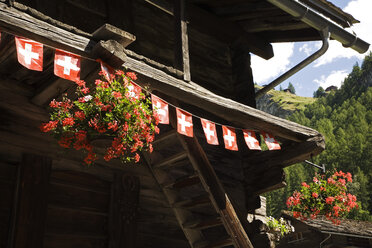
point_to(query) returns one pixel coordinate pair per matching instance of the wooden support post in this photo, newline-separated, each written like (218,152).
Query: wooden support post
(220,199)
(123,211)
(33,195)
(243,86)
(182,60)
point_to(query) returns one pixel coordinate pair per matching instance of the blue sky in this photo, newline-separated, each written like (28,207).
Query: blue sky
(330,69)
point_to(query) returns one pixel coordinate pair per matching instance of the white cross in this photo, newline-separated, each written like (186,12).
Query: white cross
(250,140)
(182,121)
(208,131)
(229,137)
(67,65)
(28,54)
(269,139)
(159,110)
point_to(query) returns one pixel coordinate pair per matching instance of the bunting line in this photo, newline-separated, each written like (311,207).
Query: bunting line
(68,66)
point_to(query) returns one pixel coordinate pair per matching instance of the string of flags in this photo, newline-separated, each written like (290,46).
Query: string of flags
(68,66)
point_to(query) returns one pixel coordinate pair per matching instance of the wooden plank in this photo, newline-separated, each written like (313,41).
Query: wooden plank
(35,171)
(221,29)
(288,155)
(124,211)
(218,244)
(195,202)
(219,197)
(243,85)
(78,198)
(63,241)
(164,137)
(109,32)
(183,182)
(170,160)
(62,220)
(182,58)
(182,215)
(80,179)
(203,224)
(22,24)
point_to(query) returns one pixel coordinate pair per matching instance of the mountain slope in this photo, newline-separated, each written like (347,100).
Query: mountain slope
(344,117)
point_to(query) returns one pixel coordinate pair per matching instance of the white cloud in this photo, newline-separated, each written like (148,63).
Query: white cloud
(361,10)
(264,70)
(306,49)
(334,78)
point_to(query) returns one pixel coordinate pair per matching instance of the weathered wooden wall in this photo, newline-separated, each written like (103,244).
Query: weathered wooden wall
(78,200)
(211,61)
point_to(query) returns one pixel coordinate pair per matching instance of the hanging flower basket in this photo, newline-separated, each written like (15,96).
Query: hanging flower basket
(327,197)
(115,110)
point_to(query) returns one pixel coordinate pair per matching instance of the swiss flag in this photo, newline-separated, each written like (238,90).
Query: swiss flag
(161,108)
(209,131)
(67,65)
(106,70)
(229,137)
(184,123)
(134,90)
(271,143)
(29,53)
(251,140)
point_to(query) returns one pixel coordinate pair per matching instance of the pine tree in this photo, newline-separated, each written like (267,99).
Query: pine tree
(291,88)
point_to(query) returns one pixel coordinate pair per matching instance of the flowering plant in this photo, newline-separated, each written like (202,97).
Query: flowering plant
(326,197)
(279,227)
(114,108)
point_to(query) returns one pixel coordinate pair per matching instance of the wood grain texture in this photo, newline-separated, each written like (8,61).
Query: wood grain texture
(35,171)
(219,28)
(22,24)
(238,114)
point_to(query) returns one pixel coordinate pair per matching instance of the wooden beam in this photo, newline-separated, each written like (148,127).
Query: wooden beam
(191,93)
(223,30)
(124,210)
(20,23)
(281,26)
(34,181)
(295,153)
(109,32)
(238,114)
(219,197)
(182,58)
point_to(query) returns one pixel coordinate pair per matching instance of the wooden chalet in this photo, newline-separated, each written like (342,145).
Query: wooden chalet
(195,54)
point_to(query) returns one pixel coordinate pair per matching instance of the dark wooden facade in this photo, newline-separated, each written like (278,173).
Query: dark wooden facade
(185,194)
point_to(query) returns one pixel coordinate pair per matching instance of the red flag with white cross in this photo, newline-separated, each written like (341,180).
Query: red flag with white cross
(161,108)
(229,137)
(271,143)
(251,140)
(134,90)
(209,131)
(29,53)
(106,70)
(67,65)
(184,123)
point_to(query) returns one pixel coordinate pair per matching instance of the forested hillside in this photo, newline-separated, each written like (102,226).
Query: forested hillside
(344,117)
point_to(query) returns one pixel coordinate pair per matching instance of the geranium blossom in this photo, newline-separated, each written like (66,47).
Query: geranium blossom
(326,197)
(109,111)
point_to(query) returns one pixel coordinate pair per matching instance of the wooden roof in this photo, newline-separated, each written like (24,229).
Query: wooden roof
(346,227)
(269,22)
